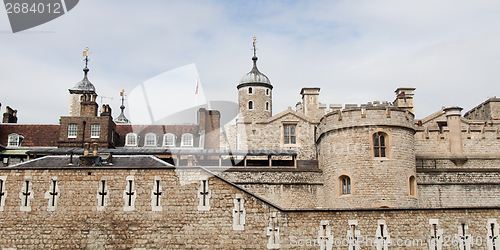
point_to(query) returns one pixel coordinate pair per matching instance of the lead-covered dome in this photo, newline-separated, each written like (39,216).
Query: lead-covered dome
(84,85)
(255,77)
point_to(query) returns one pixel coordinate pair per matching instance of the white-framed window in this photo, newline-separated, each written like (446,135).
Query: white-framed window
(169,140)
(15,140)
(289,134)
(187,140)
(95,130)
(72,130)
(250,105)
(131,140)
(150,140)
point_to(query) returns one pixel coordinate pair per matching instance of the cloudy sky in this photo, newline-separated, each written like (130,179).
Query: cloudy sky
(356,51)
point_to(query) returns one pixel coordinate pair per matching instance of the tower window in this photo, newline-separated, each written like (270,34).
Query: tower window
(72,130)
(289,136)
(187,140)
(250,105)
(150,140)
(267,91)
(346,184)
(413,186)
(379,144)
(250,91)
(95,130)
(267,106)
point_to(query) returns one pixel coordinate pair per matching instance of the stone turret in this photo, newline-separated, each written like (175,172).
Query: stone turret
(310,102)
(404,99)
(255,94)
(367,157)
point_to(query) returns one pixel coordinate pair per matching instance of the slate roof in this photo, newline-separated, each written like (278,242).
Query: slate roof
(118,162)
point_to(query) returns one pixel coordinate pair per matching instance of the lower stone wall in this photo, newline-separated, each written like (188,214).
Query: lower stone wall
(407,229)
(454,195)
(292,189)
(289,196)
(454,188)
(77,221)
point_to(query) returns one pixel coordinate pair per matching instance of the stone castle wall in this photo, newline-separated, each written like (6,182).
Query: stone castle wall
(77,223)
(286,189)
(269,136)
(476,140)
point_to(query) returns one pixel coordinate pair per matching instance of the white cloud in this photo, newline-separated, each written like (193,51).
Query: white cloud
(356,51)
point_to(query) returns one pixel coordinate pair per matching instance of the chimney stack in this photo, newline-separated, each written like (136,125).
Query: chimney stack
(10,115)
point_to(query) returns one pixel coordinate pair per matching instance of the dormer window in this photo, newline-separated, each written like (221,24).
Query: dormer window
(15,140)
(131,140)
(187,140)
(169,140)
(150,140)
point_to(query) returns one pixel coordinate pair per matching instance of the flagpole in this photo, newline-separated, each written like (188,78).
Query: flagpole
(196,102)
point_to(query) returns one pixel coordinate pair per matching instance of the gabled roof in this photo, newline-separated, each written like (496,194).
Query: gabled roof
(433,116)
(291,112)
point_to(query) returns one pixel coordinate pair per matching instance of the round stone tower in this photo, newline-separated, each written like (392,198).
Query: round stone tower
(255,93)
(367,155)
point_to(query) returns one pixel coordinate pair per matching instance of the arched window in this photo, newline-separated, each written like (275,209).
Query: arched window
(169,140)
(15,140)
(413,186)
(131,140)
(267,106)
(250,105)
(150,140)
(250,90)
(345,183)
(267,91)
(187,140)
(379,144)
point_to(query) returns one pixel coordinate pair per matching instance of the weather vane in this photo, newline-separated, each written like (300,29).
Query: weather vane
(254,42)
(86,55)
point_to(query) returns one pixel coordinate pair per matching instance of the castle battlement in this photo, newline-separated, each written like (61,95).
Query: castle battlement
(365,116)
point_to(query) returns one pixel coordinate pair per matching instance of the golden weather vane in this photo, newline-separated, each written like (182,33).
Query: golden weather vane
(254,42)
(86,54)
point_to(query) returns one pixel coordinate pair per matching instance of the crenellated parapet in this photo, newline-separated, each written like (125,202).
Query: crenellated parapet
(366,116)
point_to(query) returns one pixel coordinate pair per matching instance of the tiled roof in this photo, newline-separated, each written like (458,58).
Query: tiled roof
(35,135)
